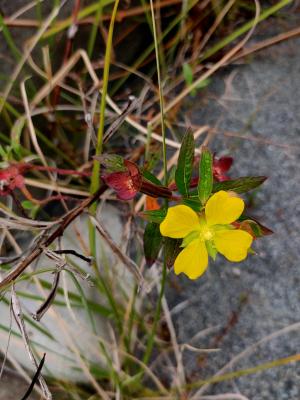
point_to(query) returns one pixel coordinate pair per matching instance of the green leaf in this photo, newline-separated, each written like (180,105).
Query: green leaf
(171,174)
(187,73)
(240,185)
(203,83)
(152,242)
(193,202)
(31,207)
(183,172)
(17,129)
(2,152)
(97,371)
(172,249)
(254,227)
(154,157)
(112,162)
(28,205)
(156,216)
(205,183)
(152,178)
(17,148)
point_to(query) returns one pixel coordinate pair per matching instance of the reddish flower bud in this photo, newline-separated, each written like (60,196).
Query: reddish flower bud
(11,178)
(126,183)
(220,166)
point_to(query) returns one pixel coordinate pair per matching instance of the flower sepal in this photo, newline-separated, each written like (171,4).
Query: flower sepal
(189,238)
(211,249)
(222,227)
(252,226)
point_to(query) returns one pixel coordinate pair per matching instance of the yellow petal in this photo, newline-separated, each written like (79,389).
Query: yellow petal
(233,244)
(179,222)
(223,208)
(193,260)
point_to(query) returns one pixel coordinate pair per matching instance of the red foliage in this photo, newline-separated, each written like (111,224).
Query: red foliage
(220,167)
(11,178)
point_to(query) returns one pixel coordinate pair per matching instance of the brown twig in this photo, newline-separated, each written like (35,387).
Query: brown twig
(121,14)
(266,43)
(38,250)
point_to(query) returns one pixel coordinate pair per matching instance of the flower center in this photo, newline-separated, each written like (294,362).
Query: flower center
(206,233)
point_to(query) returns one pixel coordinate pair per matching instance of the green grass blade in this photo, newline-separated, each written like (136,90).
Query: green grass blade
(243,29)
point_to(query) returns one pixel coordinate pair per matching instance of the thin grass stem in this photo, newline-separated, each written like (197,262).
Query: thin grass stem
(95,181)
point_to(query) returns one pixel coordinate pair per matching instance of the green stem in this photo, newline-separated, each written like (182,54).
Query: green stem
(150,48)
(93,34)
(95,184)
(9,40)
(161,99)
(150,342)
(243,29)
(65,24)
(95,180)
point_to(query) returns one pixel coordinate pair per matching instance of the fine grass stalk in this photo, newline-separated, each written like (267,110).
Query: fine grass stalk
(95,181)
(151,338)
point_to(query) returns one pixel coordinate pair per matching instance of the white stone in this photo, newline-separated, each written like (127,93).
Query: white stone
(71,328)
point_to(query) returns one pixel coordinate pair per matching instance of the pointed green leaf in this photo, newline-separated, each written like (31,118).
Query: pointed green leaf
(205,184)
(240,185)
(171,174)
(156,216)
(187,73)
(152,242)
(28,205)
(203,83)
(183,172)
(254,227)
(193,202)
(172,249)
(112,162)
(152,178)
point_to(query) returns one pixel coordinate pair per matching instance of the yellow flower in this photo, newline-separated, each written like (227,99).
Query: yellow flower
(207,233)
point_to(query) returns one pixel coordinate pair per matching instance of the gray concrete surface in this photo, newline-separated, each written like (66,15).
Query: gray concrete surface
(260,100)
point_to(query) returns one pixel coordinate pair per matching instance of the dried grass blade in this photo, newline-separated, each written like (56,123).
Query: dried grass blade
(28,51)
(41,311)
(38,250)
(132,105)
(19,225)
(131,266)
(18,315)
(26,221)
(35,378)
